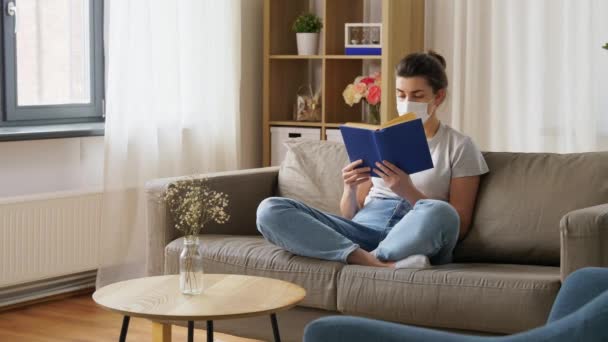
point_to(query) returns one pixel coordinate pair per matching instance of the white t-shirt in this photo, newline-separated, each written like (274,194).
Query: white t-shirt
(454,155)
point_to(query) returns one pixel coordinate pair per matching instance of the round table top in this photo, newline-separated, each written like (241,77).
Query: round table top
(224,296)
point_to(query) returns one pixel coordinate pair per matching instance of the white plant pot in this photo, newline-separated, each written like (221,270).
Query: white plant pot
(307,43)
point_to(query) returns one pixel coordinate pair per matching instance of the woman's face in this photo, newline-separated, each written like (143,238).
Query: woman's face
(417,89)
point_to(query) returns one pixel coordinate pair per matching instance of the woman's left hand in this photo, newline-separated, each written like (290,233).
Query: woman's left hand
(395,178)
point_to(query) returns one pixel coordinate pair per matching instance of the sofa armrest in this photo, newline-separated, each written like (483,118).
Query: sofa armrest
(245,189)
(584,239)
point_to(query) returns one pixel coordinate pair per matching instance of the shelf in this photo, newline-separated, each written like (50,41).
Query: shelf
(295,123)
(326,57)
(331,70)
(296,57)
(286,78)
(353,57)
(282,14)
(340,12)
(338,74)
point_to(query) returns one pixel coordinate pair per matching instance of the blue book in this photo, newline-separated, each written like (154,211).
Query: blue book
(362,51)
(399,141)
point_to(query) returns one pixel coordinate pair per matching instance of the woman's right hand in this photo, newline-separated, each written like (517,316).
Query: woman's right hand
(353,175)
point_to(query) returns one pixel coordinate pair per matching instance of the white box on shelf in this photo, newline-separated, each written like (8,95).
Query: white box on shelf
(334,135)
(363,39)
(278,135)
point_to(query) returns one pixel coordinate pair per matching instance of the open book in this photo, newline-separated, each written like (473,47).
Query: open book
(400,141)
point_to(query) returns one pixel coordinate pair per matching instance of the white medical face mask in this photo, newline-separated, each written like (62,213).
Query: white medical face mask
(421,109)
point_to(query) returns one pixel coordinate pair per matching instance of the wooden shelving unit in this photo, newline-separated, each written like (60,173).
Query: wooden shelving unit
(331,70)
(353,57)
(295,57)
(299,124)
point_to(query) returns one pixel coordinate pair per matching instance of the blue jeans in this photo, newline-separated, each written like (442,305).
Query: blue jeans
(391,226)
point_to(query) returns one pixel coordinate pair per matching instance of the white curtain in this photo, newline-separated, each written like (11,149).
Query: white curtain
(525,76)
(173,89)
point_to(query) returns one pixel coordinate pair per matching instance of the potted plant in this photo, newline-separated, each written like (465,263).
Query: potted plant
(307,27)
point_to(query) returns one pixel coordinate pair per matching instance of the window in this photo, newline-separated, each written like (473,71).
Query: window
(52,57)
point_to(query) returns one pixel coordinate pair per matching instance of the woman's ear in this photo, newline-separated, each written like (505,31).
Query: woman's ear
(441,94)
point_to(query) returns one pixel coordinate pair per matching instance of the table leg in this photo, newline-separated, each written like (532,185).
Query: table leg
(161,332)
(124,329)
(209,331)
(190,331)
(275,328)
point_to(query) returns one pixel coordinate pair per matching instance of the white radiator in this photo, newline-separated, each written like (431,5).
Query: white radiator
(48,236)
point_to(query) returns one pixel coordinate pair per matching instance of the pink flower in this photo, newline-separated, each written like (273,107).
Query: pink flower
(361,88)
(373,95)
(368,81)
(364,87)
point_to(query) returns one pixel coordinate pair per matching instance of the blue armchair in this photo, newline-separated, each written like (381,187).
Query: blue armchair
(580,313)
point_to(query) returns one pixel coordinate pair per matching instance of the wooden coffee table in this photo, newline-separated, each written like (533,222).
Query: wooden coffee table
(225,296)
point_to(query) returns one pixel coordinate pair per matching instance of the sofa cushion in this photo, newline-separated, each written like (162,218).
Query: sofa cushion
(254,256)
(521,201)
(481,297)
(312,173)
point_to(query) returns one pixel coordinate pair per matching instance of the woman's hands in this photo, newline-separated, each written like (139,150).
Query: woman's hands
(353,175)
(396,179)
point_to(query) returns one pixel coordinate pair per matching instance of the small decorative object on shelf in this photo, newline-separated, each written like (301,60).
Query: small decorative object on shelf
(192,204)
(308,105)
(307,27)
(366,88)
(362,39)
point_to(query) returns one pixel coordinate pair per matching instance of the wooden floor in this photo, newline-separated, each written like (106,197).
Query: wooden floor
(80,319)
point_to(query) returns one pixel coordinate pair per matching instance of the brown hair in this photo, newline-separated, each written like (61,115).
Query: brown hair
(429,65)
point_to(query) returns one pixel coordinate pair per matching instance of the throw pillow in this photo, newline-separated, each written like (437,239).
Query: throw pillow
(312,173)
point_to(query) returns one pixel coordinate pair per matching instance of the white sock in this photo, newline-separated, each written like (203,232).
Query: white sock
(414,261)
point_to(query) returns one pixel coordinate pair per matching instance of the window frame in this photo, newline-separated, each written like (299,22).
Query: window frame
(14,115)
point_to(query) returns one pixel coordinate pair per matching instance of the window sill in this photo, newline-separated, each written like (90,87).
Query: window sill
(88,129)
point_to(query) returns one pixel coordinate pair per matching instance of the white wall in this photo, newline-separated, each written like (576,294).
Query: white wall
(42,166)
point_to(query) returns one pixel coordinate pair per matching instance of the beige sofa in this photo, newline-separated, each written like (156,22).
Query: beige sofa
(538,218)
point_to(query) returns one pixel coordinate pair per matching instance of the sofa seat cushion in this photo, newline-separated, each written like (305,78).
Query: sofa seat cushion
(497,298)
(251,255)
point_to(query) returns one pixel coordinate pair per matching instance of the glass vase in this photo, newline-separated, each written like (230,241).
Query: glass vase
(371,113)
(191,267)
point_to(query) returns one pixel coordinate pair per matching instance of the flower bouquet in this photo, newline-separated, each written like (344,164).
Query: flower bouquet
(366,88)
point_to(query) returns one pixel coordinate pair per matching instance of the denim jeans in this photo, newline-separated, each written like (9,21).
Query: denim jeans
(391,226)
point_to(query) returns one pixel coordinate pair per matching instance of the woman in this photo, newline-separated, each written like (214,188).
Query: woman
(397,220)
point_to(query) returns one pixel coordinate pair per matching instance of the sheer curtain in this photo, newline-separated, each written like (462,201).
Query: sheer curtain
(525,75)
(173,92)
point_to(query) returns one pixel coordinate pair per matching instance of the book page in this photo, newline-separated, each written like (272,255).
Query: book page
(403,118)
(363,126)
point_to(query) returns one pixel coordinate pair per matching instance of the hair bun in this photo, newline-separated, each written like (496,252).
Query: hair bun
(438,57)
